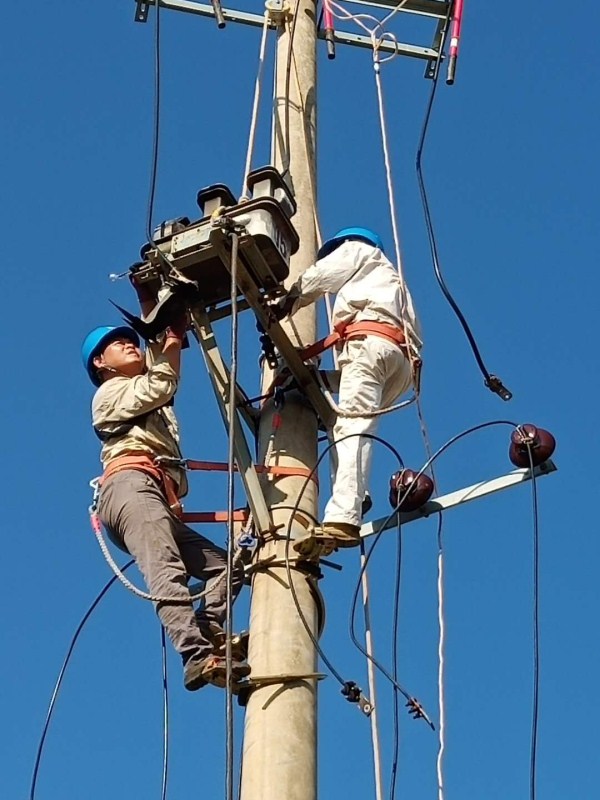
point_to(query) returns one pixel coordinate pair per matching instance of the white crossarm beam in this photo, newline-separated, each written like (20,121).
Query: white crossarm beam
(459,497)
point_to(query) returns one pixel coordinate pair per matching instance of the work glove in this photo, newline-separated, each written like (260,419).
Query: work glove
(283,306)
(178,327)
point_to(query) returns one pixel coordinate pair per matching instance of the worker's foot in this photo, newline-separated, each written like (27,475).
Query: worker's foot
(193,675)
(326,539)
(214,671)
(217,637)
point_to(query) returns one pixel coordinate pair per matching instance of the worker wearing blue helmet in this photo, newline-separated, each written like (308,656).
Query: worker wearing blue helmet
(379,339)
(139,502)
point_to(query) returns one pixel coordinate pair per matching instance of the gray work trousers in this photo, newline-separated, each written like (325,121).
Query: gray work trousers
(167,552)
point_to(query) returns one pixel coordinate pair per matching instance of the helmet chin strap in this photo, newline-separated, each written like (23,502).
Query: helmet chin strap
(104,366)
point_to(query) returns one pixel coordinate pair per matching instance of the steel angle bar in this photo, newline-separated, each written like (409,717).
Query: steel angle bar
(303,375)
(257,20)
(219,376)
(411,50)
(460,497)
(207,10)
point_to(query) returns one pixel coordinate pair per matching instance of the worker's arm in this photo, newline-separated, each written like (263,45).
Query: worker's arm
(120,398)
(329,274)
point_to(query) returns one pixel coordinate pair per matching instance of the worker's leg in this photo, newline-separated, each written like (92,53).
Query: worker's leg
(208,562)
(134,510)
(374,373)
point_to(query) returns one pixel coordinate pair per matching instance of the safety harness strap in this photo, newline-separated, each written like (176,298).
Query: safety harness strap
(354,330)
(145,463)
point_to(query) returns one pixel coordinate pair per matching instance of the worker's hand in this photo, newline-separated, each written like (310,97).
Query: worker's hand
(178,327)
(282,307)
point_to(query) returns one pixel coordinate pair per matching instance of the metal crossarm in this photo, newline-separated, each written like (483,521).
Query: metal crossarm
(435,9)
(459,497)
(219,376)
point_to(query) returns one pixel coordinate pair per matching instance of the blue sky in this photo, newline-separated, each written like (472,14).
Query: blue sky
(513,176)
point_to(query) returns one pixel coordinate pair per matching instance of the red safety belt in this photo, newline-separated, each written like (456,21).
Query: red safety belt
(354,330)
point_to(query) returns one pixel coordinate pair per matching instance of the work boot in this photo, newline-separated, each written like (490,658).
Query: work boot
(215,634)
(322,541)
(214,671)
(193,677)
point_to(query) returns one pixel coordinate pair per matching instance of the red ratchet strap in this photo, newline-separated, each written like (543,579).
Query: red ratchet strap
(276,471)
(354,330)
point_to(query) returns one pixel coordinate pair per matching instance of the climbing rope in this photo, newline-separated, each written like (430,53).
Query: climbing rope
(375,740)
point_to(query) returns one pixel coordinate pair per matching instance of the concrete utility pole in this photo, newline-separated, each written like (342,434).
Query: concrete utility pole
(280,738)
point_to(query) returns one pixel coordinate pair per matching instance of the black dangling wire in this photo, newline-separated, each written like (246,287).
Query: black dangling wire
(493,383)
(60,677)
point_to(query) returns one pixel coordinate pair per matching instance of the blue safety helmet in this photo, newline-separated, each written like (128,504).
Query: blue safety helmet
(95,342)
(360,234)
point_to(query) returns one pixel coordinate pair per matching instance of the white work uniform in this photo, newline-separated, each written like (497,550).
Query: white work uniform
(374,370)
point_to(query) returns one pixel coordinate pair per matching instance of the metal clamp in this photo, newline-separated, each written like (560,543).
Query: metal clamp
(95,485)
(246,687)
(278,12)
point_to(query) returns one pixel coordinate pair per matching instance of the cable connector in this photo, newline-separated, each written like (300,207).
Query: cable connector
(416,711)
(495,385)
(353,694)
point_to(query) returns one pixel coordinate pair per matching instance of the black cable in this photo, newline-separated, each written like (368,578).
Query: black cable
(59,680)
(156,127)
(377,537)
(295,509)
(395,618)
(536,630)
(397,686)
(491,381)
(165,771)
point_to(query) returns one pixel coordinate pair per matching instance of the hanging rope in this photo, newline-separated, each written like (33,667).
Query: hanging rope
(255,105)
(395,619)
(441,666)
(230,509)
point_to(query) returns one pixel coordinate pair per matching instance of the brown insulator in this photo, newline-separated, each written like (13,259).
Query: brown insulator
(409,490)
(530,445)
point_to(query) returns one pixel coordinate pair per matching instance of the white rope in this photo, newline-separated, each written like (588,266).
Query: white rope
(359,414)
(371,677)
(313,190)
(255,104)
(441,699)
